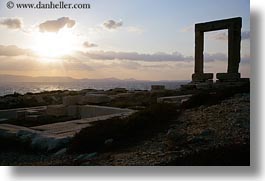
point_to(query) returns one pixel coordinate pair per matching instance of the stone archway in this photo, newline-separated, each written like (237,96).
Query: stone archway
(234,26)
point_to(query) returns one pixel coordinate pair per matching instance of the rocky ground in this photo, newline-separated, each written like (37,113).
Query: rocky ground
(196,130)
(206,135)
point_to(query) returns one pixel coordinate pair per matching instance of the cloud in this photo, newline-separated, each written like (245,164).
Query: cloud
(223,57)
(12,50)
(188,28)
(55,25)
(15,64)
(74,64)
(134,29)
(111,24)
(215,57)
(11,23)
(220,36)
(86,44)
(245,35)
(134,56)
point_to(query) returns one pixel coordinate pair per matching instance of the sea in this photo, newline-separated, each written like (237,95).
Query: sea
(37,87)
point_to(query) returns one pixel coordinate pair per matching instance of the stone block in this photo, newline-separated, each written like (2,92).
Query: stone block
(94,99)
(90,111)
(188,87)
(56,110)
(228,76)
(32,112)
(202,77)
(119,90)
(174,99)
(40,99)
(71,100)
(73,111)
(32,117)
(21,115)
(204,86)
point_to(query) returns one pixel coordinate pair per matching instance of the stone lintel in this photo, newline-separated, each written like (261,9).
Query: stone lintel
(228,76)
(219,25)
(202,77)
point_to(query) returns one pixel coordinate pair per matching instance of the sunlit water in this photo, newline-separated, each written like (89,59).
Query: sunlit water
(35,87)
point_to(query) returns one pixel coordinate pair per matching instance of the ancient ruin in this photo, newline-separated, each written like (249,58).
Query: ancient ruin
(234,26)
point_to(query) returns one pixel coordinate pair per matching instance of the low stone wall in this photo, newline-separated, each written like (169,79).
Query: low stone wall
(173,99)
(52,137)
(15,113)
(93,111)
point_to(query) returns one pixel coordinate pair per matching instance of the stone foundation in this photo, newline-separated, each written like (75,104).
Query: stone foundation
(202,77)
(228,77)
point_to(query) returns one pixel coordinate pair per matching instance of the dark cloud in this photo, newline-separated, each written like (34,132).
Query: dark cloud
(12,50)
(11,23)
(134,56)
(89,45)
(245,35)
(56,25)
(111,24)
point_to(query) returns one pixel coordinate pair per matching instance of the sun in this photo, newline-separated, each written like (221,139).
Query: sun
(53,45)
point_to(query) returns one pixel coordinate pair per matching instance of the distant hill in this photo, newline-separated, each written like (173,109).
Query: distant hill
(19,78)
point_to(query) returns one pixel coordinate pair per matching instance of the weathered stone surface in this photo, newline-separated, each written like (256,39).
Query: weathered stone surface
(94,99)
(21,115)
(39,99)
(71,100)
(85,157)
(32,117)
(56,110)
(9,130)
(228,76)
(49,142)
(3,119)
(223,84)
(63,151)
(119,90)
(53,137)
(12,113)
(89,111)
(190,86)
(204,86)
(158,88)
(234,26)
(173,99)
(202,77)
(108,142)
(73,111)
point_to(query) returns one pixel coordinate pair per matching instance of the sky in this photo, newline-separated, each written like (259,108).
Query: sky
(141,39)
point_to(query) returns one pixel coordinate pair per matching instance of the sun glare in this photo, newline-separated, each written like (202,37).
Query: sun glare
(53,45)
